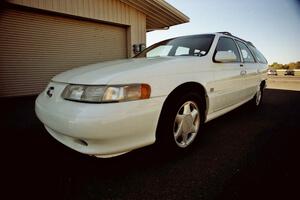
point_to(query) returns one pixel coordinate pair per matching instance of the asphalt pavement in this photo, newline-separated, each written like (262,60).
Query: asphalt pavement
(245,154)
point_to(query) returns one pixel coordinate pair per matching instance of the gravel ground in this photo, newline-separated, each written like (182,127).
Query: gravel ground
(284,82)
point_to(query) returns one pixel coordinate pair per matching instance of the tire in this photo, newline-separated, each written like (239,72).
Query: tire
(257,99)
(180,122)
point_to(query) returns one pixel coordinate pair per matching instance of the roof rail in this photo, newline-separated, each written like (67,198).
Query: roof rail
(226,33)
(250,43)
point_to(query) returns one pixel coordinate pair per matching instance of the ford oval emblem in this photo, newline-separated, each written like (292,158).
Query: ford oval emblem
(50,91)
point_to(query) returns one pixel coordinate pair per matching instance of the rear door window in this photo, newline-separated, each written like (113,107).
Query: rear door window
(227,44)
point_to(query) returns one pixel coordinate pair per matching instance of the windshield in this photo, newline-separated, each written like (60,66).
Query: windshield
(198,45)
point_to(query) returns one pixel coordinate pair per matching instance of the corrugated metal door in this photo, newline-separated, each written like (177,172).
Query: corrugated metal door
(35,46)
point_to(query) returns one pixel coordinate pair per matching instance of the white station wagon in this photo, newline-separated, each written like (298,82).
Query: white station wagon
(163,95)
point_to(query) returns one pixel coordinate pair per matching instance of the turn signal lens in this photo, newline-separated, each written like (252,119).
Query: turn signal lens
(145,91)
(127,92)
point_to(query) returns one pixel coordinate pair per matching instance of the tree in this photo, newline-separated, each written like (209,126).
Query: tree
(286,66)
(275,65)
(297,65)
(292,65)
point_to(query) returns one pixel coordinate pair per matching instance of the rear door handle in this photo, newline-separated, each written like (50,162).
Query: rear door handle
(243,72)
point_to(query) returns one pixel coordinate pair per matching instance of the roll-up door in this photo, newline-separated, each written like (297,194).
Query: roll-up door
(36,46)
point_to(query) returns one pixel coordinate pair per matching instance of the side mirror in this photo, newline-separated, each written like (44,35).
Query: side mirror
(225,56)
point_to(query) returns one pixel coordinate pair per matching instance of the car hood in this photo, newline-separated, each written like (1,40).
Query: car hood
(103,72)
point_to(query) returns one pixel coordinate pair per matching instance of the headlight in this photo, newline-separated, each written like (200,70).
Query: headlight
(106,94)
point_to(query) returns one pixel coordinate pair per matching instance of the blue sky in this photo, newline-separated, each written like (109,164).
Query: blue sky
(273,26)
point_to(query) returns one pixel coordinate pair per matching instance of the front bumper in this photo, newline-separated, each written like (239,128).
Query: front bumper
(103,130)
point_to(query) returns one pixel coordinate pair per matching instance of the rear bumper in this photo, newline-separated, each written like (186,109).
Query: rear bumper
(102,130)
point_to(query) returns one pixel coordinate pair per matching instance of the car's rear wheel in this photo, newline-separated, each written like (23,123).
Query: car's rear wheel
(180,122)
(257,99)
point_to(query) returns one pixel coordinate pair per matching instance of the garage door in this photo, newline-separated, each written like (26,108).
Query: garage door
(34,47)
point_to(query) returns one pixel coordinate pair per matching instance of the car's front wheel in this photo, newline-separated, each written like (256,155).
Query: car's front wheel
(180,122)
(186,124)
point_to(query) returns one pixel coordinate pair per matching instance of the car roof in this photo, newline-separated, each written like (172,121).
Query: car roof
(224,33)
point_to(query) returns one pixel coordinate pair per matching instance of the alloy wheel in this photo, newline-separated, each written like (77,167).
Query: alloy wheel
(258,97)
(186,124)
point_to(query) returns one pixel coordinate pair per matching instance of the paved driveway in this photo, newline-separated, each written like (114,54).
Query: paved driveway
(232,151)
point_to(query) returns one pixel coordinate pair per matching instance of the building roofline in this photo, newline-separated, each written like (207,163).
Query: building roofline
(159,13)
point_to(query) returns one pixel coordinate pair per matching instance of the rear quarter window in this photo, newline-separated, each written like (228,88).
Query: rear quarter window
(258,55)
(246,53)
